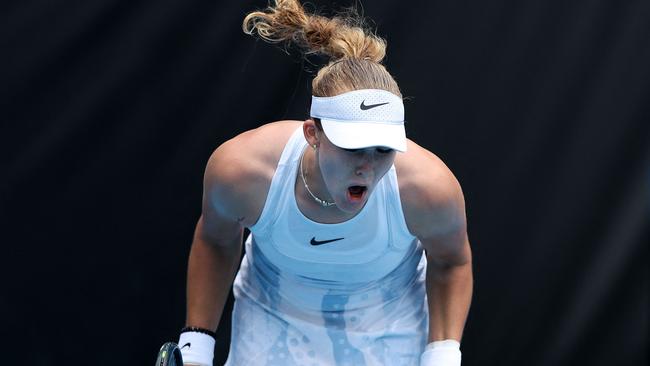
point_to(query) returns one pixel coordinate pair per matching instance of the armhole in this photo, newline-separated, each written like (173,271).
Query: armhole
(271,200)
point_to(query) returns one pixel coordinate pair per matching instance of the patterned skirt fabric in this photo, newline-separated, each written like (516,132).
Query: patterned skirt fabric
(279,319)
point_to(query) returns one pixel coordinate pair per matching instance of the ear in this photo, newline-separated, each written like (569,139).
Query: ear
(310,131)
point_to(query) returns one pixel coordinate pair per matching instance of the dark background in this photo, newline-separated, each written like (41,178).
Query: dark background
(109,110)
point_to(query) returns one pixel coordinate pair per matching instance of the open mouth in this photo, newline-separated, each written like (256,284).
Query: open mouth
(356,192)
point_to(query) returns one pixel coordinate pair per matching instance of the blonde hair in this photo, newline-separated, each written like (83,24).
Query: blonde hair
(355,53)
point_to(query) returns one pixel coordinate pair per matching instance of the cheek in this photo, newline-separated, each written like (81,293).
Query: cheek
(384,163)
(336,171)
(330,167)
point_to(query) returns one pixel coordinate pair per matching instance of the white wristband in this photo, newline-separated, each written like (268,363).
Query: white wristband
(441,353)
(196,348)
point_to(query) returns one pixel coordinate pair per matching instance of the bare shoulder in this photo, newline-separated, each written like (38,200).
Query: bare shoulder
(431,196)
(239,172)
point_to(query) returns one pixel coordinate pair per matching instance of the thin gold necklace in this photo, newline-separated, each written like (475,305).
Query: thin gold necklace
(302,175)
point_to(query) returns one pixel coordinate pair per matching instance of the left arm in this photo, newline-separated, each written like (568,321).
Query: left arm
(449,284)
(436,215)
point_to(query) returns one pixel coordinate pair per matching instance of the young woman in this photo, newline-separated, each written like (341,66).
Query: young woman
(359,252)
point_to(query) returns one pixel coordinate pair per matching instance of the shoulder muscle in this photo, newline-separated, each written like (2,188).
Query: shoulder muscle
(239,173)
(434,205)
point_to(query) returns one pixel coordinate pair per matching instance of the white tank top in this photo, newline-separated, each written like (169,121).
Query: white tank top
(366,247)
(357,300)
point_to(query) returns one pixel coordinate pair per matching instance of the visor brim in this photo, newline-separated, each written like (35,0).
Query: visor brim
(361,135)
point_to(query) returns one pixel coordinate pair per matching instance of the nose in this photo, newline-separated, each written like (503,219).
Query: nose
(365,164)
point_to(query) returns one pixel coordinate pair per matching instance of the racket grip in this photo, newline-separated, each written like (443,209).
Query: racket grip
(169,355)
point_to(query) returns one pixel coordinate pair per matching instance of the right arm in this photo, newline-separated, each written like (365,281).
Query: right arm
(214,257)
(236,181)
(211,269)
(216,246)
(233,181)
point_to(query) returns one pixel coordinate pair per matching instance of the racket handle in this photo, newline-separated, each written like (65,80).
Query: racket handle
(169,355)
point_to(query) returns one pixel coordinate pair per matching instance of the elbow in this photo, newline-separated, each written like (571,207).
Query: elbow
(452,256)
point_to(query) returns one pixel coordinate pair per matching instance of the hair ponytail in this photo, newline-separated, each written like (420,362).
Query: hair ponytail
(355,53)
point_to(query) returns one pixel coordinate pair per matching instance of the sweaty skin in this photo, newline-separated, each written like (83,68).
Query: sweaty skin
(238,177)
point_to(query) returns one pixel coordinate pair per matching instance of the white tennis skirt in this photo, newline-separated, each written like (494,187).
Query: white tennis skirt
(287,320)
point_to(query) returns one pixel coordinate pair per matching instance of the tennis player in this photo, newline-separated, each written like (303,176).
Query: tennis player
(358,253)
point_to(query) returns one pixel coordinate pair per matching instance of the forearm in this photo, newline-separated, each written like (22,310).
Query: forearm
(449,293)
(211,269)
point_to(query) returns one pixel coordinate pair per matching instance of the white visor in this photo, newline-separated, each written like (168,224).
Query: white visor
(362,118)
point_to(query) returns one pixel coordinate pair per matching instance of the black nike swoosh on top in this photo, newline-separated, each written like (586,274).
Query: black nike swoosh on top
(188,345)
(364,107)
(317,242)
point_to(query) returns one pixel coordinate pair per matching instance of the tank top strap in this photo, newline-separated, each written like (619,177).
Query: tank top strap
(400,234)
(283,174)
(293,148)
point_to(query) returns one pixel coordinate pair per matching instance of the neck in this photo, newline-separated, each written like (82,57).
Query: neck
(313,176)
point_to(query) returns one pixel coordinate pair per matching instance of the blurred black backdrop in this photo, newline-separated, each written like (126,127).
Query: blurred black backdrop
(109,110)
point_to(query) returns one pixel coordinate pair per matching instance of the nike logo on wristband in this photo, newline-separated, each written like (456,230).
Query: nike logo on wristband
(188,345)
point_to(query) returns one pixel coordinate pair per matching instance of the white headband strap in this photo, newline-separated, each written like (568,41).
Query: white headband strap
(364,105)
